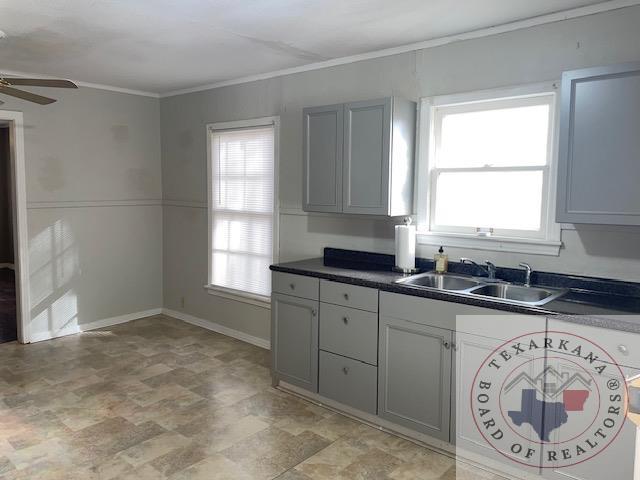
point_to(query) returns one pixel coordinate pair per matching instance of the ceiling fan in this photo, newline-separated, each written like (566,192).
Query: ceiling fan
(7,88)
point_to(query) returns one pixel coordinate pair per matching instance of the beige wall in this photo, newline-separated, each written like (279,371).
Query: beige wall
(94,207)
(532,55)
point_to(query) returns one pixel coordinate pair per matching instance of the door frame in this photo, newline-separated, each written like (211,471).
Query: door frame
(15,120)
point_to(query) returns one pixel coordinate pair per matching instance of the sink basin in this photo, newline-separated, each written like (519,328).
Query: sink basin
(441,281)
(519,293)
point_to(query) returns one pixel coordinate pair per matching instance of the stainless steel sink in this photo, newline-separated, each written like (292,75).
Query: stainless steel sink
(441,281)
(518,293)
(494,289)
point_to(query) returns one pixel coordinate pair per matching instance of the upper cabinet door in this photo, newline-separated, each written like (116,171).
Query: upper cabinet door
(367,137)
(599,161)
(322,158)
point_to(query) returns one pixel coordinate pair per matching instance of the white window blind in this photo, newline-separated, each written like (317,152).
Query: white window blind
(242,209)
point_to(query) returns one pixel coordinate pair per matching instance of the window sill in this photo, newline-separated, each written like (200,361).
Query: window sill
(230,294)
(496,244)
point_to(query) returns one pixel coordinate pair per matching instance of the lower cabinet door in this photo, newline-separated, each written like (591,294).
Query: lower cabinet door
(294,340)
(414,376)
(471,351)
(617,458)
(348,381)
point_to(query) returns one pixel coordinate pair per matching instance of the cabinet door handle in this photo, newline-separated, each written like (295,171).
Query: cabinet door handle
(346,296)
(314,312)
(292,286)
(345,370)
(446,344)
(345,320)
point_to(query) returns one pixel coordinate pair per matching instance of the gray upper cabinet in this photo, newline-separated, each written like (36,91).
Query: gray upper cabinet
(365,187)
(322,155)
(599,160)
(377,141)
(414,376)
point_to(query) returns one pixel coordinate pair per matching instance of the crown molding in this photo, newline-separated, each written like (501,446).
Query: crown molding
(411,47)
(80,83)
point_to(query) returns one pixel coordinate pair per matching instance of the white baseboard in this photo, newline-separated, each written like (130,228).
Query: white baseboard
(216,327)
(106,322)
(7,265)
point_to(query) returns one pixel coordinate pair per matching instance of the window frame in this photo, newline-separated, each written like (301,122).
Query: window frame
(544,242)
(217,290)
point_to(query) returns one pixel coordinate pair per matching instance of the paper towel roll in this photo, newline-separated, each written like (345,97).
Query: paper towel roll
(405,247)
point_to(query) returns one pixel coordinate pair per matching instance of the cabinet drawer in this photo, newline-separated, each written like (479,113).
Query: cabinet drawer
(459,317)
(349,332)
(347,295)
(296,285)
(349,382)
(624,347)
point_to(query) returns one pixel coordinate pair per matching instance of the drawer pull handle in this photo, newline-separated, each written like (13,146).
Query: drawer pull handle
(293,286)
(345,320)
(345,370)
(623,349)
(346,296)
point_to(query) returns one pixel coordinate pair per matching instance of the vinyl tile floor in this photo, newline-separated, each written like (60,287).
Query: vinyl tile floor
(161,399)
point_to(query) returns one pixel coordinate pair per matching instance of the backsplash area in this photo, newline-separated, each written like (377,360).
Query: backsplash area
(587,250)
(358,260)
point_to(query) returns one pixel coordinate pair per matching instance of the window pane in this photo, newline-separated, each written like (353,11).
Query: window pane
(504,200)
(242,233)
(242,272)
(242,214)
(500,137)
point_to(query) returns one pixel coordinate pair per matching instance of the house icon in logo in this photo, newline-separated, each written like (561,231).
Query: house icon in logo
(548,413)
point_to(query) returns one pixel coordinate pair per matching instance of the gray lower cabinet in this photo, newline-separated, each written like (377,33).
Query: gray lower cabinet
(348,381)
(414,376)
(599,163)
(294,340)
(614,462)
(617,460)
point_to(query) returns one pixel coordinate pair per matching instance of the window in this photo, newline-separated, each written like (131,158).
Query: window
(242,158)
(486,171)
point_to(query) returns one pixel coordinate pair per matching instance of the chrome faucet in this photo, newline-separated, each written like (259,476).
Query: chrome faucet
(490,269)
(527,275)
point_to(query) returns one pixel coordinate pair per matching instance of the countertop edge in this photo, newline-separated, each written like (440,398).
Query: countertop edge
(590,320)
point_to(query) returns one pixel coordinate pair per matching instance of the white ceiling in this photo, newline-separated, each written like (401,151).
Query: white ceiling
(164,45)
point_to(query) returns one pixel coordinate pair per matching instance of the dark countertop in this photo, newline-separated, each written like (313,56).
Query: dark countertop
(587,307)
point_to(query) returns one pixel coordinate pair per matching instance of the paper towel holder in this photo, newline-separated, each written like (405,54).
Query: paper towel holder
(406,271)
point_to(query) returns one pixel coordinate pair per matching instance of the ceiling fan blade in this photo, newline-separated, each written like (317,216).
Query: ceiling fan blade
(31,97)
(41,82)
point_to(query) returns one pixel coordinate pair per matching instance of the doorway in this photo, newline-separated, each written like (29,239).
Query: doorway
(8,316)
(14,270)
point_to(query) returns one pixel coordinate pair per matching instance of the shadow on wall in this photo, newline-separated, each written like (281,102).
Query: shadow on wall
(617,241)
(352,226)
(55,265)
